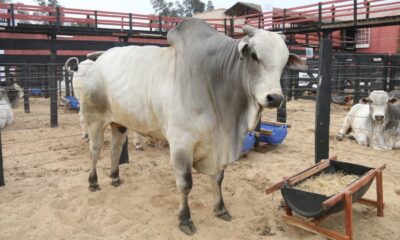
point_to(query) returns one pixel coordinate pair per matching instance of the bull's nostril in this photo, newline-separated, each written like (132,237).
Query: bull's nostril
(270,98)
(274,100)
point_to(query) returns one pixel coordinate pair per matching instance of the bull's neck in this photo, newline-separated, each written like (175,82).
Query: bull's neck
(231,94)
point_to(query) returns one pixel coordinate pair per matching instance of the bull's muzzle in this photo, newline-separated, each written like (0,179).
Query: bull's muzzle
(379,118)
(274,100)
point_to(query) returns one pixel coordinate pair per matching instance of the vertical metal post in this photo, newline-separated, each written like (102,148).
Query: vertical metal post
(26,86)
(53,85)
(355,12)
(333,9)
(319,14)
(392,72)
(281,111)
(385,72)
(67,83)
(284,20)
(130,25)
(160,24)
(259,20)
(225,27)
(323,107)
(2,183)
(232,26)
(258,128)
(58,19)
(9,19)
(95,20)
(124,158)
(12,15)
(357,90)
(88,17)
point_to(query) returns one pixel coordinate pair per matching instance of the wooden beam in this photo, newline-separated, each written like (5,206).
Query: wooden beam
(313,228)
(280,184)
(348,214)
(352,187)
(309,173)
(379,192)
(368,202)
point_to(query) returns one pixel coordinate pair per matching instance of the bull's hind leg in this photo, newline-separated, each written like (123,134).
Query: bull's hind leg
(182,163)
(219,206)
(96,135)
(118,138)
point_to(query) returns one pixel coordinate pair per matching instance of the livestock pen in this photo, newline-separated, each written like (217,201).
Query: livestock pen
(46,161)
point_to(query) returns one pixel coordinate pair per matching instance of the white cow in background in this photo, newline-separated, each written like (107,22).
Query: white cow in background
(6,114)
(78,72)
(374,122)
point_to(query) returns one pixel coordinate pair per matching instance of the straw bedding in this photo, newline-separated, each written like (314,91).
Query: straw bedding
(326,184)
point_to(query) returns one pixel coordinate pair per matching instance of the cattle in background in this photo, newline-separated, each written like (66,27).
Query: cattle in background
(374,122)
(78,72)
(202,94)
(15,94)
(6,114)
(395,94)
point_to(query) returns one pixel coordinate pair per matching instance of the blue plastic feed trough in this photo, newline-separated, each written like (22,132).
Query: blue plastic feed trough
(279,133)
(248,142)
(36,91)
(72,102)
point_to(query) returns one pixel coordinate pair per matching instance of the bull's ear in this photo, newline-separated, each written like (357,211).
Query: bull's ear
(296,63)
(364,100)
(242,47)
(393,100)
(249,30)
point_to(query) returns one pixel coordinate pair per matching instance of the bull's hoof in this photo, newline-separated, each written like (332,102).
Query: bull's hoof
(116,182)
(140,148)
(187,227)
(94,187)
(351,137)
(223,215)
(339,137)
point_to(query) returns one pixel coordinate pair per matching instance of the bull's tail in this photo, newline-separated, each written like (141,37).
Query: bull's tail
(93,56)
(66,65)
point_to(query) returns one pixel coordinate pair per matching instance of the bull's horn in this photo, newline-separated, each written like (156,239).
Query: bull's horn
(67,63)
(249,30)
(93,56)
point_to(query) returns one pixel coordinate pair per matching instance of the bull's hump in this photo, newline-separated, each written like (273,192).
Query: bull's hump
(192,29)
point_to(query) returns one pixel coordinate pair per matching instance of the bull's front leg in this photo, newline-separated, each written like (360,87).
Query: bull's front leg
(182,161)
(219,206)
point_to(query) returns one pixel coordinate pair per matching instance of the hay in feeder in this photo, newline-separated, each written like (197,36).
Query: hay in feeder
(326,183)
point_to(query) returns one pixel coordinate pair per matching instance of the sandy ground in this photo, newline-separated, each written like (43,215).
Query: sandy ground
(46,194)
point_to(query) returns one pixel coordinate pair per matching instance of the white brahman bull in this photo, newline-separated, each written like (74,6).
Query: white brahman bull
(202,94)
(6,114)
(374,122)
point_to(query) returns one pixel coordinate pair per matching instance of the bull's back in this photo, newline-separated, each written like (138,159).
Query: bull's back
(136,83)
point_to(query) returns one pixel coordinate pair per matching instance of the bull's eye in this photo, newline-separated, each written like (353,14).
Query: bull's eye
(254,57)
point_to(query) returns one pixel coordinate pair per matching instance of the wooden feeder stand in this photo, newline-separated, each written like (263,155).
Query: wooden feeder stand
(346,195)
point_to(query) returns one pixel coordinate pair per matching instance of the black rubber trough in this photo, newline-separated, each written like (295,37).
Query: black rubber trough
(313,205)
(308,204)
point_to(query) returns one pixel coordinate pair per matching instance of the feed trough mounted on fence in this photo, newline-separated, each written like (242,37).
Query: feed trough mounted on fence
(318,207)
(271,133)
